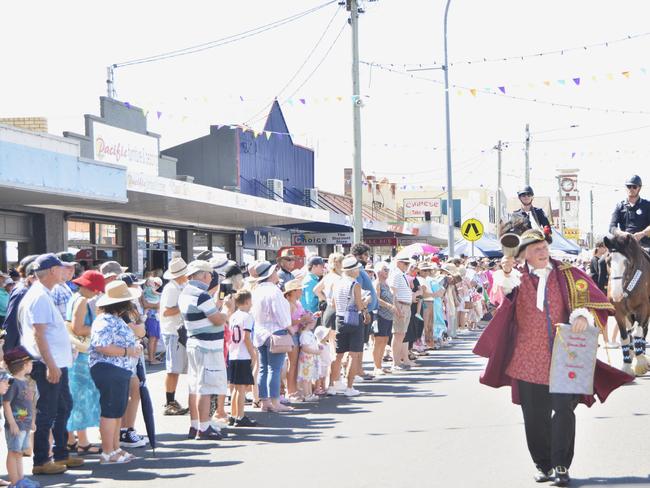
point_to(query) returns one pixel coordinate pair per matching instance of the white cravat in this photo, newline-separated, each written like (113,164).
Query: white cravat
(542,273)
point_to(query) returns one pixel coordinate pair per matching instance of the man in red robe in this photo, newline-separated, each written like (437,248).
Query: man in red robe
(518,343)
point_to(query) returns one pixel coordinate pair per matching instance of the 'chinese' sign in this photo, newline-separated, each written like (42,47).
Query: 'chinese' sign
(414,208)
(137,152)
(340,238)
(381,241)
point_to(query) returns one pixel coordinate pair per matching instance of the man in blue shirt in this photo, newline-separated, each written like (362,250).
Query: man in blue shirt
(361,251)
(316,268)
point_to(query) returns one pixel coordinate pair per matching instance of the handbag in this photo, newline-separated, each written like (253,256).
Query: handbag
(79,343)
(350,320)
(281,343)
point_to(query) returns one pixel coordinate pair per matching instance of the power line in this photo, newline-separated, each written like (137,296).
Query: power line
(223,41)
(313,72)
(488,91)
(304,63)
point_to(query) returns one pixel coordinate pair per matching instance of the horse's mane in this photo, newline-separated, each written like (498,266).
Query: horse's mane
(630,246)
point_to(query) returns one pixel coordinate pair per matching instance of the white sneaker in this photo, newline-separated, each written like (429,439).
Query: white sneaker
(340,387)
(612,345)
(331,391)
(351,392)
(379,372)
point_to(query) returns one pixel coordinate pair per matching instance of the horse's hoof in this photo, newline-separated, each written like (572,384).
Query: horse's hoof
(627,368)
(641,365)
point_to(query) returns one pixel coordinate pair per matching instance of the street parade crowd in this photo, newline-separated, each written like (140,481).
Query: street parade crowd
(268,336)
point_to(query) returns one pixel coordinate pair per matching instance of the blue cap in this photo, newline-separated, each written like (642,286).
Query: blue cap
(46,261)
(315,261)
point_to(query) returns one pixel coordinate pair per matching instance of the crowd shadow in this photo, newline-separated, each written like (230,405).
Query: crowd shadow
(611,481)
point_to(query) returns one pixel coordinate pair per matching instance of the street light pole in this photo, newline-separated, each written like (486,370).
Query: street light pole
(450,194)
(357,195)
(527,167)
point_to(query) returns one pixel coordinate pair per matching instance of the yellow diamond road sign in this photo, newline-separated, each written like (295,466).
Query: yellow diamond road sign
(472,230)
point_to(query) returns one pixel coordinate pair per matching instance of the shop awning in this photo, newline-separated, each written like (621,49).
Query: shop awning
(166,201)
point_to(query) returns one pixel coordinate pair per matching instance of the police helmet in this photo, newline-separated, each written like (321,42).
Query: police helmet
(526,189)
(634,180)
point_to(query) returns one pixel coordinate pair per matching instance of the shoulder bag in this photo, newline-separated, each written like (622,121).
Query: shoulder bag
(350,320)
(281,343)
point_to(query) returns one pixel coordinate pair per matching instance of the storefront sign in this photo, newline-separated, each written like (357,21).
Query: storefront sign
(137,152)
(414,208)
(266,238)
(571,233)
(381,241)
(335,238)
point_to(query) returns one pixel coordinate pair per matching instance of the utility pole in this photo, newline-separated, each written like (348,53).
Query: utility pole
(591,218)
(450,194)
(110,81)
(527,172)
(357,195)
(498,203)
(561,210)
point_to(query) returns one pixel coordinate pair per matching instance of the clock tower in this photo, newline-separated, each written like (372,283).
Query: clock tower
(569,203)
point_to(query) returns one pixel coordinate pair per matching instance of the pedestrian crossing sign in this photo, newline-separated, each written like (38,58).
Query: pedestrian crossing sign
(472,230)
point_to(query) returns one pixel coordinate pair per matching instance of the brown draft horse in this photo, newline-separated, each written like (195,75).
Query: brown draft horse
(629,292)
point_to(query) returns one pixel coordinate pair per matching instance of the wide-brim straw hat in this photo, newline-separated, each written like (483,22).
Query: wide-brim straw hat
(116,292)
(263,270)
(177,268)
(293,285)
(350,263)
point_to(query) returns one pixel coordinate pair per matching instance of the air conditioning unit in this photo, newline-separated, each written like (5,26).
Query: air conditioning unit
(276,189)
(311,197)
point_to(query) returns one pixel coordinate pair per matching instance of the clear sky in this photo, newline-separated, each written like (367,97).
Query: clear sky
(55,56)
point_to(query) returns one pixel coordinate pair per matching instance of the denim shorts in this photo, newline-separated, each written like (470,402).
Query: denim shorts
(17,443)
(113,384)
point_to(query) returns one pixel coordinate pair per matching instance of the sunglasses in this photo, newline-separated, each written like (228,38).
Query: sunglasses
(632,187)
(525,195)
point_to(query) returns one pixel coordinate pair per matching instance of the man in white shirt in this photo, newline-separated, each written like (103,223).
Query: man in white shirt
(170,321)
(402,299)
(46,339)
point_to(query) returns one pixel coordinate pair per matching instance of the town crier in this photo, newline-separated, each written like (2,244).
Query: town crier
(518,343)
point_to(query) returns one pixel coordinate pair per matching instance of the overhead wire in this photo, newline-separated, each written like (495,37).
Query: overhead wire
(303,64)
(224,40)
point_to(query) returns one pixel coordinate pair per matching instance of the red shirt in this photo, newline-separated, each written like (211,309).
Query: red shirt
(531,357)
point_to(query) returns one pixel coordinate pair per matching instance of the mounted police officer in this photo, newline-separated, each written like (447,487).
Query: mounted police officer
(633,214)
(535,217)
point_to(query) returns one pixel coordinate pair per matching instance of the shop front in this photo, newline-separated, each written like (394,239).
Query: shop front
(263,243)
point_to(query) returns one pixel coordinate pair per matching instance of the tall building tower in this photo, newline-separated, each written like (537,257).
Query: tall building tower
(569,203)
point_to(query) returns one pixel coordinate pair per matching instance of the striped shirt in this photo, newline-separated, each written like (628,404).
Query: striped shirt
(399,282)
(196,305)
(343,294)
(61,295)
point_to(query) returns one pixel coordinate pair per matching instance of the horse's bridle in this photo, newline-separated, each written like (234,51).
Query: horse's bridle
(632,284)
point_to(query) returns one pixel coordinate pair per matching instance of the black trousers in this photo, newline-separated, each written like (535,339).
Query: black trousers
(550,424)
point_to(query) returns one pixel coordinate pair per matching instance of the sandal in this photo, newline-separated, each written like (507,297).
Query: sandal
(257,404)
(129,457)
(87,450)
(115,457)
(73,446)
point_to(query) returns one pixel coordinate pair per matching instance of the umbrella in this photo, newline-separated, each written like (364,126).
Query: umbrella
(418,249)
(147,406)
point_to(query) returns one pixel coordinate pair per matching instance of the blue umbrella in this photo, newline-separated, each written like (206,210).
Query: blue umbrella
(147,406)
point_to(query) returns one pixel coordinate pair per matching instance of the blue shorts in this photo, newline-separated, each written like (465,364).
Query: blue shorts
(113,384)
(17,443)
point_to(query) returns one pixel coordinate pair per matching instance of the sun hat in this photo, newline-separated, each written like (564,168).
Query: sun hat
(157,281)
(91,279)
(381,265)
(263,270)
(232,269)
(293,285)
(6,281)
(287,254)
(321,332)
(204,256)
(449,268)
(117,291)
(17,355)
(67,258)
(198,266)
(177,268)
(350,263)
(426,266)
(112,268)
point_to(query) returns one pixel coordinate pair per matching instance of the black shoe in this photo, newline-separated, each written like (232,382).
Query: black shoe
(542,475)
(209,434)
(245,422)
(231,421)
(561,477)
(192,433)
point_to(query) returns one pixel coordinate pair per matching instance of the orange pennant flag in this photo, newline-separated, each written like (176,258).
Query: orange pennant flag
(547,82)
(626,74)
(473,91)
(610,76)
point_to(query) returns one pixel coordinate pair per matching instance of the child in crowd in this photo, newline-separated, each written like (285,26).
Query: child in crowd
(18,406)
(322,336)
(241,356)
(308,362)
(151,302)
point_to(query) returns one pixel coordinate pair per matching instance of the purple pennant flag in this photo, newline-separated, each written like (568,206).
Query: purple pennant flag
(241,98)
(127,104)
(303,101)
(573,155)
(159,114)
(576,81)
(502,89)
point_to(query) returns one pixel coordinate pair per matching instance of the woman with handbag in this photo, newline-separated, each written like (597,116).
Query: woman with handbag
(85,408)
(272,316)
(348,306)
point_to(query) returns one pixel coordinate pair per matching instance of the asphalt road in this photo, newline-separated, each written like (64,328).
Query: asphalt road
(432,427)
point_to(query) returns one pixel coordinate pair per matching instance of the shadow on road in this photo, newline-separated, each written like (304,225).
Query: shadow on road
(620,481)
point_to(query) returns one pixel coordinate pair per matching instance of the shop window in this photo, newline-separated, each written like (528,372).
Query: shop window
(171,237)
(107,235)
(78,232)
(156,235)
(200,243)
(92,243)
